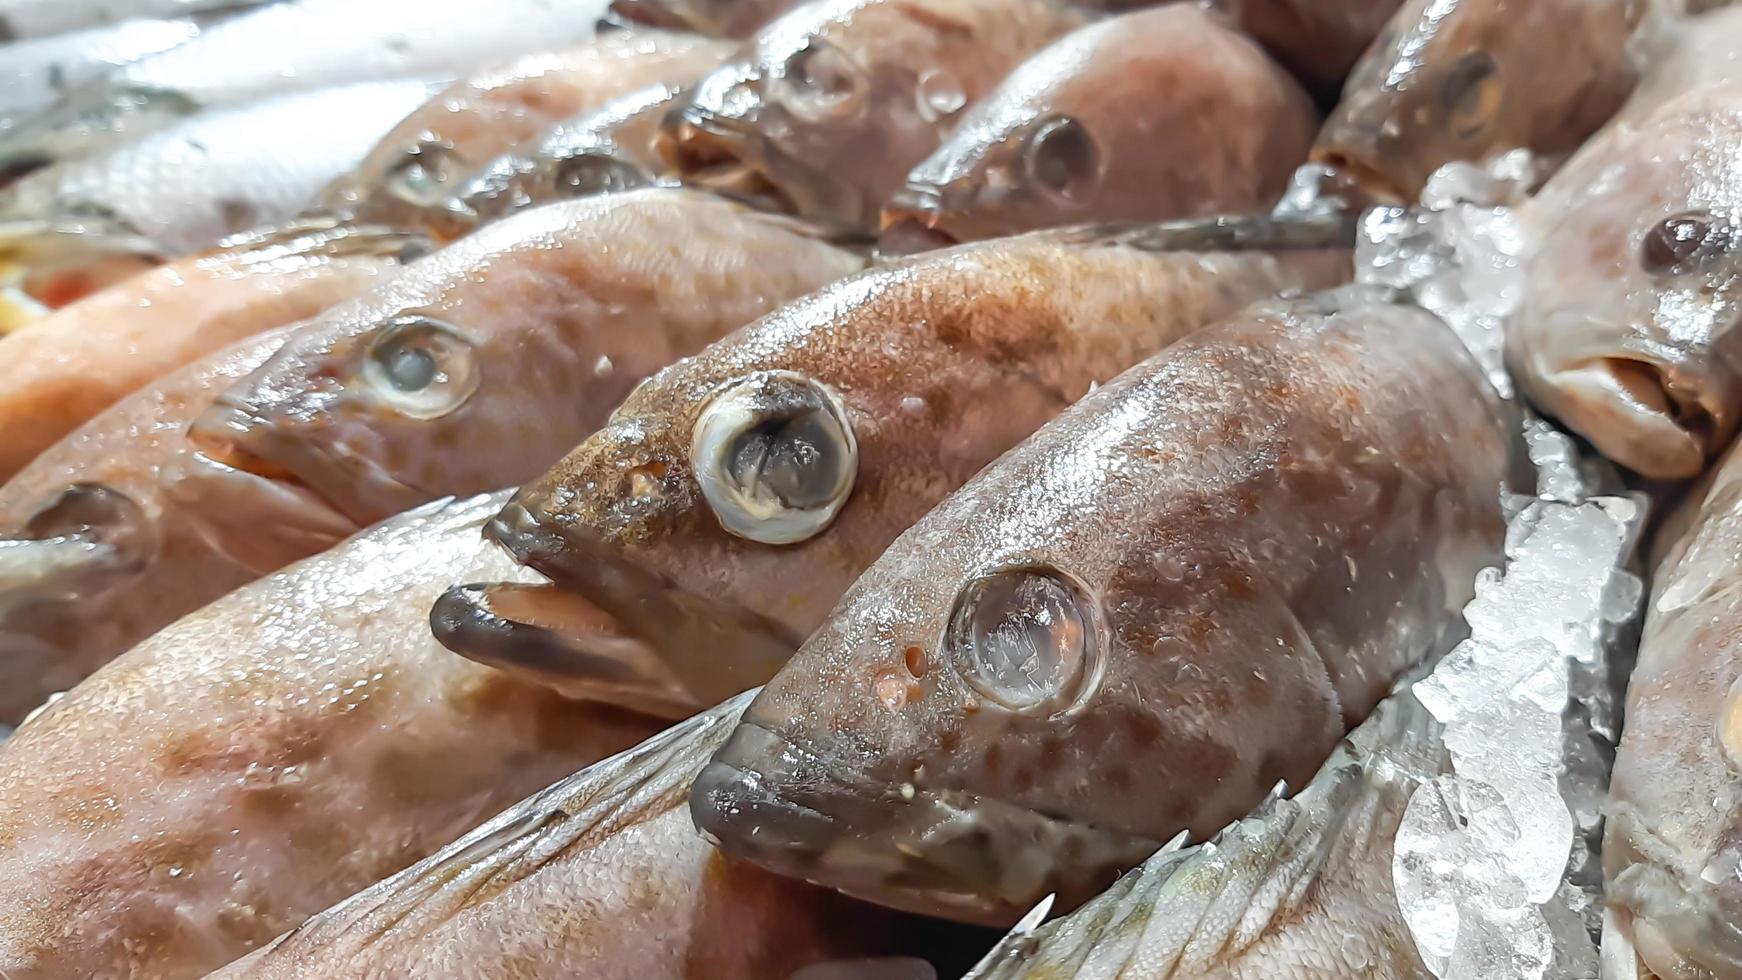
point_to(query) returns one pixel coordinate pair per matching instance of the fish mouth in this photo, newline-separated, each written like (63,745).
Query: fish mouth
(667,646)
(935,852)
(328,474)
(87,542)
(1679,927)
(911,223)
(723,156)
(56,261)
(260,523)
(1371,183)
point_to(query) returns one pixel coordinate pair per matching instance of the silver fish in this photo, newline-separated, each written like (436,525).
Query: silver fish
(601,876)
(47,18)
(1196,580)
(734,496)
(1162,113)
(299,739)
(33,74)
(1627,326)
(827,108)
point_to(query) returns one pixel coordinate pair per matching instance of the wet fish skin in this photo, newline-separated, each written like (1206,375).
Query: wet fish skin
(23,19)
(481,363)
(1631,346)
(33,74)
(828,107)
(1319,41)
(295,45)
(151,832)
(1238,544)
(601,875)
(171,531)
(1452,80)
(713,18)
(60,372)
(1674,818)
(408,179)
(1163,113)
(939,363)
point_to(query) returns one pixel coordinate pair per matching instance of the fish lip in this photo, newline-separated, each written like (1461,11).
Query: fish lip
(913,225)
(709,151)
(910,848)
(1368,178)
(231,433)
(294,507)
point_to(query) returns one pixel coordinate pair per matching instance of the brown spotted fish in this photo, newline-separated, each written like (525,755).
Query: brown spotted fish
(733,497)
(1627,329)
(1183,590)
(59,372)
(1454,80)
(713,18)
(121,528)
(482,363)
(295,741)
(1673,844)
(408,179)
(826,109)
(1319,40)
(1163,113)
(600,876)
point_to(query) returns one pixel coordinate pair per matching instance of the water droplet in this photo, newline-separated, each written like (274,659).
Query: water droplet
(603,368)
(1023,636)
(891,690)
(940,94)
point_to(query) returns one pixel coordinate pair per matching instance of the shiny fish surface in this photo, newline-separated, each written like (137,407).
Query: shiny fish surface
(59,372)
(1319,40)
(600,876)
(1454,80)
(734,496)
(104,544)
(827,108)
(295,741)
(713,18)
(184,188)
(294,45)
(1627,327)
(1163,113)
(33,74)
(411,174)
(46,18)
(1674,837)
(482,363)
(1195,580)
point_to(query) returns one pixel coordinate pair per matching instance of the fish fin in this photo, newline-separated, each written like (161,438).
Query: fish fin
(327,235)
(1224,233)
(574,814)
(552,637)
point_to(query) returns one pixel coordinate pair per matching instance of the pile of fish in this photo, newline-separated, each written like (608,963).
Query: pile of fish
(870,489)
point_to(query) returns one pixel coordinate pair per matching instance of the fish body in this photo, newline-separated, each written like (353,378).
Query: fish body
(1626,326)
(1456,80)
(601,875)
(827,108)
(409,177)
(33,74)
(24,19)
(184,188)
(734,496)
(1684,54)
(293,742)
(482,363)
(1674,832)
(61,371)
(712,18)
(295,45)
(113,524)
(1194,581)
(1162,113)
(1318,40)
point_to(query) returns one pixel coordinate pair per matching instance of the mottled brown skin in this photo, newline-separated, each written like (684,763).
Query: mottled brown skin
(407,179)
(564,308)
(1270,521)
(826,109)
(942,362)
(1468,79)
(1319,40)
(266,756)
(1174,113)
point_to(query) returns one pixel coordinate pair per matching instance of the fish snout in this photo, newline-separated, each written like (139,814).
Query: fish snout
(710,153)
(1684,925)
(82,544)
(912,222)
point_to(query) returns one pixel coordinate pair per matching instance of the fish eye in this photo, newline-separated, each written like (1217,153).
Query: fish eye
(423,368)
(1472,94)
(1026,637)
(587,174)
(1060,156)
(775,457)
(1683,242)
(819,81)
(422,176)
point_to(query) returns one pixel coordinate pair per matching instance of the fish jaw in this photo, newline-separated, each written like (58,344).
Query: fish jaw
(259,523)
(1636,411)
(728,157)
(915,221)
(87,541)
(969,857)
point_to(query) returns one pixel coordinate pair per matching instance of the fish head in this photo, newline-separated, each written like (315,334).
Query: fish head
(580,169)
(1631,322)
(1682,920)
(1453,80)
(417,190)
(67,129)
(83,541)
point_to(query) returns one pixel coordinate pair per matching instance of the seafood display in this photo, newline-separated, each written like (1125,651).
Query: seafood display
(870,489)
